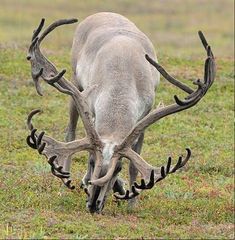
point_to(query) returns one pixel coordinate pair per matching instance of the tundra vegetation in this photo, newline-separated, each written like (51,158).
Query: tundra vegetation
(195,203)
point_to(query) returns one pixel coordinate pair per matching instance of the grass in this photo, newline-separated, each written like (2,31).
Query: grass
(195,203)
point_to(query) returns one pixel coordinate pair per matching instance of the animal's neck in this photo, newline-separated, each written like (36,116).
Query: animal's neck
(115,118)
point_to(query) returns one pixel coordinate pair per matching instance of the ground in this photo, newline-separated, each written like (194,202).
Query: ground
(194,203)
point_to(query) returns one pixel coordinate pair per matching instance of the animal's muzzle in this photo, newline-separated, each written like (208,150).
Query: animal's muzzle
(96,202)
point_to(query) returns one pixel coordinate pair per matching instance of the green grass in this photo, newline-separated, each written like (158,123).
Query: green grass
(194,203)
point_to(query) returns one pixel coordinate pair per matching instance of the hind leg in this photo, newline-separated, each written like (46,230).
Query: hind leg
(133,172)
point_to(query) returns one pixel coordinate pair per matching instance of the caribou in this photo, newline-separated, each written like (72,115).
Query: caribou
(115,75)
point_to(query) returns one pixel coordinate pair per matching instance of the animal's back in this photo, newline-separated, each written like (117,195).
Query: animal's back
(101,23)
(108,50)
(93,32)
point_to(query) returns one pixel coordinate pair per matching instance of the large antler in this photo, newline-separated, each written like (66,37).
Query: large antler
(148,172)
(52,149)
(57,153)
(156,174)
(42,67)
(192,99)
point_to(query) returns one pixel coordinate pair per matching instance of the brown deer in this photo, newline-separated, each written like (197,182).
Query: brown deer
(114,81)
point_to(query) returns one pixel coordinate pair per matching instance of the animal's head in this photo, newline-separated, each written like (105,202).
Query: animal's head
(100,164)
(105,160)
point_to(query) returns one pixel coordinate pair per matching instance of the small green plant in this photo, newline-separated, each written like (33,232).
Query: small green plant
(196,203)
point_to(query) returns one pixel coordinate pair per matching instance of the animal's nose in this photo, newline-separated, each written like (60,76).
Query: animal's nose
(28,57)
(91,207)
(97,207)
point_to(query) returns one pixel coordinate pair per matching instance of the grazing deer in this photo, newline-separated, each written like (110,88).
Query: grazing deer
(114,72)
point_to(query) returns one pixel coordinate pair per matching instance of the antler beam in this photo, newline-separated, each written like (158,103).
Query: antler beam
(191,100)
(180,105)
(42,67)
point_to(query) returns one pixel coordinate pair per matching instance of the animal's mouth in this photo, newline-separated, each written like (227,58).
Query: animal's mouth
(97,207)
(94,204)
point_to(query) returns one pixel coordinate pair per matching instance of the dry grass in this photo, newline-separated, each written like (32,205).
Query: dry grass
(195,203)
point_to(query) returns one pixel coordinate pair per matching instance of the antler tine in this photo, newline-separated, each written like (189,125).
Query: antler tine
(55,25)
(54,81)
(56,78)
(67,183)
(203,39)
(209,75)
(30,116)
(39,28)
(57,171)
(128,195)
(180,162)
(36,76)
(168,77)
(205,43)
(51,161)
(189,153)
(63,87)
(171,79)
(151,183)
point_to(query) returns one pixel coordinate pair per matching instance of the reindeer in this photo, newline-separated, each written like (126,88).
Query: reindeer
(114,81)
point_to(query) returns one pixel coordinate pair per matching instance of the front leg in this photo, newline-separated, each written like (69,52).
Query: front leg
(70,130)
(73,119)
(87,177)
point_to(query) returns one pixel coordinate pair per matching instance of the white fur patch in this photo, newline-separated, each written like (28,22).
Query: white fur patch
(108,151)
